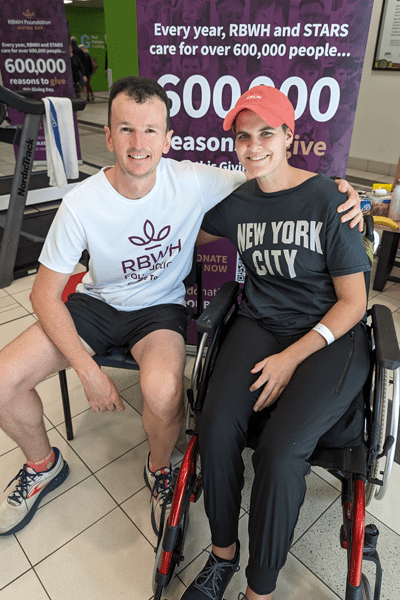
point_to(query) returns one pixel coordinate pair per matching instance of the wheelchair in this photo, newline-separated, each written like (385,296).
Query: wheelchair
(358,450)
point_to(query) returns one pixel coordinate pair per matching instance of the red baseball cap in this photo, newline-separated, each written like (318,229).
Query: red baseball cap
(268,103)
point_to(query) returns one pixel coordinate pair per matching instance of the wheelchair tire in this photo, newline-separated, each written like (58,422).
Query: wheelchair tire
(176,555)
(371,488)
(366,590)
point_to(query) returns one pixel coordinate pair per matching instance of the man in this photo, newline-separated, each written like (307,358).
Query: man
(139,220)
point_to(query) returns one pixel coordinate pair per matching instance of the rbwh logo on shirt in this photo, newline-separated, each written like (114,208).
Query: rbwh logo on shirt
(151,261)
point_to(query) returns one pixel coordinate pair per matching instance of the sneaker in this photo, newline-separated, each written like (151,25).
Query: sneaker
(160,486)
(20,506)
(213,580)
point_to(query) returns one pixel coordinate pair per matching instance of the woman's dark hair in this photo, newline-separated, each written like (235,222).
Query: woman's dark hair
(140,89)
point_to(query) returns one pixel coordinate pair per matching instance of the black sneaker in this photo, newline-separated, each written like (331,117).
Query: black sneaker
(213,580)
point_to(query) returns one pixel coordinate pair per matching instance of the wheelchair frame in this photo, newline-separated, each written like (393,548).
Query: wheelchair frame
(358,469)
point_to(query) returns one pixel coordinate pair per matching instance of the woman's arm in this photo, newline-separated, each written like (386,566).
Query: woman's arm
(277,370)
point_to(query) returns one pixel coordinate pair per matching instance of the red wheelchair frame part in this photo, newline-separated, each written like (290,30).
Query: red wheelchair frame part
(188,467)
(357,534)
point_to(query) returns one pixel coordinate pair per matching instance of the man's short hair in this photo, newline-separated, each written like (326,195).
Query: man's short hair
(140,89)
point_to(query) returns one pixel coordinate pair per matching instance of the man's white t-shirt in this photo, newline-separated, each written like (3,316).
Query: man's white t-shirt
(140,250)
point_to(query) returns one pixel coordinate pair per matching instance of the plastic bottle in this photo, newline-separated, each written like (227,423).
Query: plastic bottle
(395,200)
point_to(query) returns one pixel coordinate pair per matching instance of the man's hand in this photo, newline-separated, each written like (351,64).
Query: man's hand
(355,215)
(276,372)
(101,392)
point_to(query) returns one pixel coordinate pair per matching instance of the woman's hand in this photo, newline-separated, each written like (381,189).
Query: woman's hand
(276,372)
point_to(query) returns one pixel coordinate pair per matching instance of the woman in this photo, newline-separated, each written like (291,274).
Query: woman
(298,350)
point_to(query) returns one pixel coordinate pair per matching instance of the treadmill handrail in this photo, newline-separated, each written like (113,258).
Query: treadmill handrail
(30,106)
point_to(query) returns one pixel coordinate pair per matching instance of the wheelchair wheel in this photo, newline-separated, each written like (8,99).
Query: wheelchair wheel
(366,590)
(371,489)
(176,556)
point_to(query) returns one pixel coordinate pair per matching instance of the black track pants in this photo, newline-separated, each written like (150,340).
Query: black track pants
(318,394)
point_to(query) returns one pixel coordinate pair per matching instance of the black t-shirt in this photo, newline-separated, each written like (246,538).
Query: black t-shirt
(292,243)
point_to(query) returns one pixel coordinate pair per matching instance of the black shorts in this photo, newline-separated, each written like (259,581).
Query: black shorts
(105,328)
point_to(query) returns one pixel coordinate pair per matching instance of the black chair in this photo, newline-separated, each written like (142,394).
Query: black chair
(387,260)
(116,359)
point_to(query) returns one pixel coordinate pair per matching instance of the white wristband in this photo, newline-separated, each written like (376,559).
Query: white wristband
(325,332)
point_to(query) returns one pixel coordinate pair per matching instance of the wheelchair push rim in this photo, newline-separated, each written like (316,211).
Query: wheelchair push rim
(382,466)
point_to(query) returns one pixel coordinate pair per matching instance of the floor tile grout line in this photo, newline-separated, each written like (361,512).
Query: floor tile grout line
(16,319)
(62,493)
(324,583)
(41,583)
(102,467)
(328,482)
(12,307)
(373,518)
(317,519)
(75,536)
(137,527)
(16,579)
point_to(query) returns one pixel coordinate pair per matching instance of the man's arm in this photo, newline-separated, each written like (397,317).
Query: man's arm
(355,215)
(57,322)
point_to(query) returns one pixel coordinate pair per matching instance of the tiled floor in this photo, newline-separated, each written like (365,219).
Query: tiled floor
(91,539)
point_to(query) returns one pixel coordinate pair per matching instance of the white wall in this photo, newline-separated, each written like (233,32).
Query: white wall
(376,133)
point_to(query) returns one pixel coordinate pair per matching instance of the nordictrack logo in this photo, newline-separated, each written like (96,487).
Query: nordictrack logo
(151,261)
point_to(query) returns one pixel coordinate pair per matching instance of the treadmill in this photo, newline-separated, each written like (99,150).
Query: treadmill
(22,235)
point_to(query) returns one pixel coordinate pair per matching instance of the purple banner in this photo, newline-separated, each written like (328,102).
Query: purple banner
(206,54)
(35,56)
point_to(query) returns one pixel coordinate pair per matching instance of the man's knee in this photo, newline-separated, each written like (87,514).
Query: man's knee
(163,394)
(27,361)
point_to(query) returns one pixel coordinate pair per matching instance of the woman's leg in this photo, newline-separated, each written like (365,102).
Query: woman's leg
(223,425)
(318,394)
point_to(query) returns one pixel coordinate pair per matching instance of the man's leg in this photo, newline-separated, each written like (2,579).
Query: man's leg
(161,357)
(23,364)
